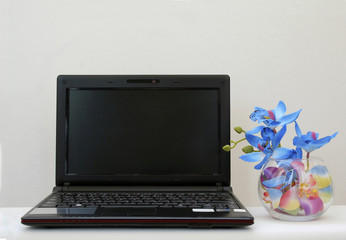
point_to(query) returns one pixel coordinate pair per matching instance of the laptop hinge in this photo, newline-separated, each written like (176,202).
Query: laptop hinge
(219,187)
(66,186)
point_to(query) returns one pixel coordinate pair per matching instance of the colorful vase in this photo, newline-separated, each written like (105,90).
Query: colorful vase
(295,190)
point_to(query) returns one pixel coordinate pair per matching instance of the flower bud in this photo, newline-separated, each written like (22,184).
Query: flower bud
(247,149)
(226,148)
(239,130)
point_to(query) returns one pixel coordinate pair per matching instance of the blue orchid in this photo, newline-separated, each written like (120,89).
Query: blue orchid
(272,118)
(266,132)
(296,154)
(266,150)
(310,141)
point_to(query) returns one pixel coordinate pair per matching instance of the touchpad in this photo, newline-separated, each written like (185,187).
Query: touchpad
(132,211)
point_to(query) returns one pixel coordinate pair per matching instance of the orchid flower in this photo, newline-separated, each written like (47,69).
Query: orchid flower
(265,149)
(296,154)
(272,118)
(310,141)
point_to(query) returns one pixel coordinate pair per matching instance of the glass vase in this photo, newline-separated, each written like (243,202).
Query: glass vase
(295,190)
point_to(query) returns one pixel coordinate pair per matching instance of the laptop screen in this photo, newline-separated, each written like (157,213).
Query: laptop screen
(143,130)
(150,131)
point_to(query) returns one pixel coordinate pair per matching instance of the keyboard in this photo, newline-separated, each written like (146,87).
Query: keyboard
(207,200)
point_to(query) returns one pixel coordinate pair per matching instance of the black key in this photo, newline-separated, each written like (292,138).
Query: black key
(196,206)
(89,205)
(63,205)
(111,204)
(130,204)
(180,206)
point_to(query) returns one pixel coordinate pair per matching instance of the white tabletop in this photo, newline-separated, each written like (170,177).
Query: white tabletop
(331,225)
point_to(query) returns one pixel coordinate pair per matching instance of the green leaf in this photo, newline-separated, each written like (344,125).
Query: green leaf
(239,130)
(227,148)
(247,149)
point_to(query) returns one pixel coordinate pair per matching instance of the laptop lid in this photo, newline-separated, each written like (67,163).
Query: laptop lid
(143,130)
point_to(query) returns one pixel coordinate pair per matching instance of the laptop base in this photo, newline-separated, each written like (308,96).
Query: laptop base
(231,214)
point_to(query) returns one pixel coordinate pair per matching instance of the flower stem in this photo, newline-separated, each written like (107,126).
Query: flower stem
(307,162)
(235,143)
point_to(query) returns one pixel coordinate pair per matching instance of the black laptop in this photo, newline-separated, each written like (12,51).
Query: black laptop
(142,151)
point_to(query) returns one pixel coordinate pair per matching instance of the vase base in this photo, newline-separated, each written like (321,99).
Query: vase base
(293,218)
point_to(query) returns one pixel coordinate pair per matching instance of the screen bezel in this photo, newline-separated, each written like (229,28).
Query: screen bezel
(65,82)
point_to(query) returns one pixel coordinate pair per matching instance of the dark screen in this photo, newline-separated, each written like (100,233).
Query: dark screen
(143,132)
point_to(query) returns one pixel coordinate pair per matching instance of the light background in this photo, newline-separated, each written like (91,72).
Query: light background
(273,50)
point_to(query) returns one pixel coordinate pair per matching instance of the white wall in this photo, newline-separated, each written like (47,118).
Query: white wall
(290,50)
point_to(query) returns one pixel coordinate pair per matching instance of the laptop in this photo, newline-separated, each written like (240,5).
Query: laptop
(142,151)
